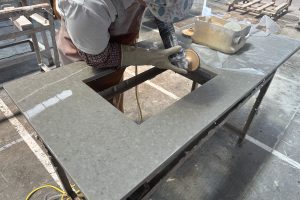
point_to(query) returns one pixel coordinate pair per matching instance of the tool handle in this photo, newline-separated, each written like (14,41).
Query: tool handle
(169,39)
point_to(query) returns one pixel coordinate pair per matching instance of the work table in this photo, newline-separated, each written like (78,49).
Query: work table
(109,156)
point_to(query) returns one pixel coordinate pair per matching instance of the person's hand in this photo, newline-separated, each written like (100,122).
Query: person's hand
(158,58)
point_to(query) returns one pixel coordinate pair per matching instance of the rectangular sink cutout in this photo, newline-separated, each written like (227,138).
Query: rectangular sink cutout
(154,95)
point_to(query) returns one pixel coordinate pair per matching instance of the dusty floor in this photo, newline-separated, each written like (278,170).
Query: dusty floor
(267,166)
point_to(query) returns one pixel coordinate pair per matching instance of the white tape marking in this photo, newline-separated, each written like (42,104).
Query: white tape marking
(287,79)
(166,92)
(49,84)
(274,152)
(35,148)
(258,143)
(37,109)
(11,144)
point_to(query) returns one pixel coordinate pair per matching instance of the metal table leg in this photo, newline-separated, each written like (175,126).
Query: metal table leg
(62,175)
(36,48)
(254,110)
(52,34)
(194,86)
(47,48)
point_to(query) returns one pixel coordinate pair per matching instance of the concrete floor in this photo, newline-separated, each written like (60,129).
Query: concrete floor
(267,166)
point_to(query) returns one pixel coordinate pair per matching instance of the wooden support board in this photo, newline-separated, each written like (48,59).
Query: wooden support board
(41,20)
(22,23)
(258,8)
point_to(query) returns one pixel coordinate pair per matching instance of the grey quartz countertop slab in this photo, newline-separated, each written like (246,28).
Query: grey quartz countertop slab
(108,155)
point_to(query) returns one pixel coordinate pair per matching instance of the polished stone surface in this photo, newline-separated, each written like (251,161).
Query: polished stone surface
(96,143)
(219,169)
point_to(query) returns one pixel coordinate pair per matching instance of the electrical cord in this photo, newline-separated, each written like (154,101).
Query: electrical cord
(62,196)
(137,98)
(62,193)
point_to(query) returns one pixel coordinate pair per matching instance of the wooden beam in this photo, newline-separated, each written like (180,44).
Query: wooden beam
(25,9)
(249,4)
(281,7)
(269,13)
(9,8)
(265,6)
(254,13)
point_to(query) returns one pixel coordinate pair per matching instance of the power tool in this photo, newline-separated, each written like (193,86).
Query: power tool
(185,59)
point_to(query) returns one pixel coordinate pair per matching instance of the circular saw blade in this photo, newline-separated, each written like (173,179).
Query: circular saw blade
(193,59)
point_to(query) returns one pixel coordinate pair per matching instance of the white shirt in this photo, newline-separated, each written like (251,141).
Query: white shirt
(88,21)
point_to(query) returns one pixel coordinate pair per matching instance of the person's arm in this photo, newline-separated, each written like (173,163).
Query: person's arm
(109,57)
(88,25)
(157,57)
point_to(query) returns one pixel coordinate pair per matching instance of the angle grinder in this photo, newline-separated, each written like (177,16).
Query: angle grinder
(186,59)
